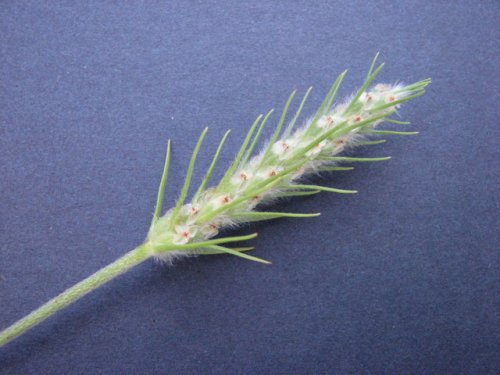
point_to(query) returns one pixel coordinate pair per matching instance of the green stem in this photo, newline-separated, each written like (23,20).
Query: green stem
(119,266)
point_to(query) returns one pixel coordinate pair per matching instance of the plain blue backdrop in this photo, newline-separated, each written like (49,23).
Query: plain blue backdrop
(402,278)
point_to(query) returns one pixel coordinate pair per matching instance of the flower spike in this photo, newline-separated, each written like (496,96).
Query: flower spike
(252,182)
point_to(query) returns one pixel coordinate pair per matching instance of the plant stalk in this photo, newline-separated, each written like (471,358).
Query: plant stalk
(119,266)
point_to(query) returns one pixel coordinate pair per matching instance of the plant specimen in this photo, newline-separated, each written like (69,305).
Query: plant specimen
(252,181)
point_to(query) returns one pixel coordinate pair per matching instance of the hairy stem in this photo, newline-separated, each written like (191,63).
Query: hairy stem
(121,265)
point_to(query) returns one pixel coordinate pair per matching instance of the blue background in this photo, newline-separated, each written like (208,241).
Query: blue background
(400,278)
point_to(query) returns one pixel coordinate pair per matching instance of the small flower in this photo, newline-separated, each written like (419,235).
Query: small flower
(220,200)
(390,98)
(356,118)
(339,143)
(254,201)
(326,122)
(366,98)
(270,172)
(282,148)
(338,119)
(184,233)
(209,230)
(240,178)
(190,209)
